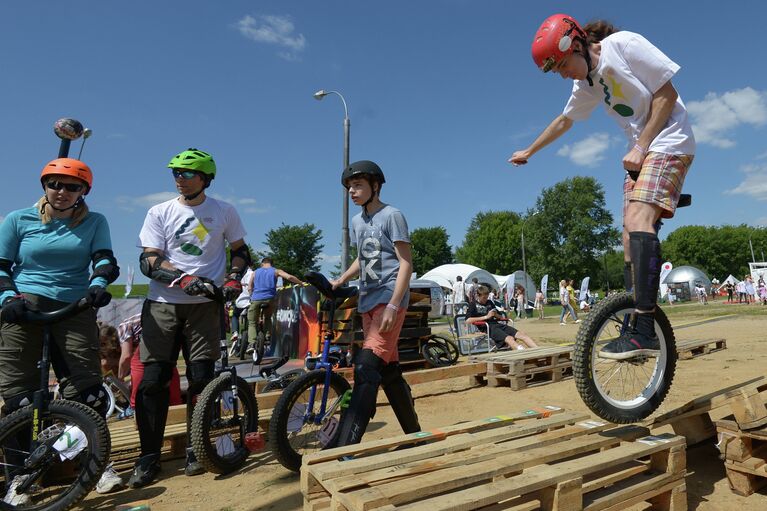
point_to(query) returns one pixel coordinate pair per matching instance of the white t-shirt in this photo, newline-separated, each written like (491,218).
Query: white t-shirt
(459,292)
(629,72)
(244,299)
(193,239)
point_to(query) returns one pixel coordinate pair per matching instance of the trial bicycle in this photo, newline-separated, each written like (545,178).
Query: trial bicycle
(52,452)
(306,417)
(628,390)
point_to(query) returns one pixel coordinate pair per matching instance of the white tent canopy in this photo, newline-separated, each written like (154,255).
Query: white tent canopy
(732,280)
(445,275)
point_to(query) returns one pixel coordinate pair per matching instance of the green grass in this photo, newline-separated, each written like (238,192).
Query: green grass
(118,290)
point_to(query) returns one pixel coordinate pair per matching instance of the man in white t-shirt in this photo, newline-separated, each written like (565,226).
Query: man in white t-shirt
(459,295)
(632,78)
(184,254)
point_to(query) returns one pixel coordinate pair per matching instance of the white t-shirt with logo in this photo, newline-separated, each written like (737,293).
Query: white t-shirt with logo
(629,72)
(193,239)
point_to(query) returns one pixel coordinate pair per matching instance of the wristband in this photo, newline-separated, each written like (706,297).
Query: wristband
(640,149)
(392,307)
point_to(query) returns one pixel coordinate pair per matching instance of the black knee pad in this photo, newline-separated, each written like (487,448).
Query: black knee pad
(400,398)
(16,402)
(362,406)
(96,397)
(628,277)
(199,373)
(646,263)
(156,379)
(367,368)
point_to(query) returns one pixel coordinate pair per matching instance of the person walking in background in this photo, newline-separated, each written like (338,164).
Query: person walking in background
(564,298)
(540,300)
(749,289)
(459,296)
(472,291)
(730,289)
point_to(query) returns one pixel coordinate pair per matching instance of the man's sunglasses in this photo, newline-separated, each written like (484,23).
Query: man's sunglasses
(70,187)
(186,174)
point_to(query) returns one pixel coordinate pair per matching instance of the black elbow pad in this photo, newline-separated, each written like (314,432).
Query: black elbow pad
(155,271)
(6,282)
(109,269)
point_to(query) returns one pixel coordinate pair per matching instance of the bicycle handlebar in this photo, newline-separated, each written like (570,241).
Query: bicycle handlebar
(324,286)
(46,318)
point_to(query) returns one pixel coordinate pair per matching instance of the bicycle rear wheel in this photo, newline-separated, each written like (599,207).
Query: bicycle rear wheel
(259,347)
(296,429)
(218,437)
(71,453)
(622,391)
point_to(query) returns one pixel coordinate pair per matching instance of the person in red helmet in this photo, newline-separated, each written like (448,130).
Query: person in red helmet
(631,78)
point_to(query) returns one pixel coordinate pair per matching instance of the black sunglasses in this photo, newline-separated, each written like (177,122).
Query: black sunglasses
(70,187)
(186,174)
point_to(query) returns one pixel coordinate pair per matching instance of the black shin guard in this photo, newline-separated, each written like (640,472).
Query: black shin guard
(628,277)
(401,400)
(367,379)
(646,263)
(152,401)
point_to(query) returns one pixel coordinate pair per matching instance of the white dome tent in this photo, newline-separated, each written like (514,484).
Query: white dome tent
(445,275)
(682,281)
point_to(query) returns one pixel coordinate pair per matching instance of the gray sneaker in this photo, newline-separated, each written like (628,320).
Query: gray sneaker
(110,481)
(17,499)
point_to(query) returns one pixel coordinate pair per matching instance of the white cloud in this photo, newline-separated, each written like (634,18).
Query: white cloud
(587,152)
(755,183)
(716,116)
(242,204)
(276,30)
(326,258)
(127,203)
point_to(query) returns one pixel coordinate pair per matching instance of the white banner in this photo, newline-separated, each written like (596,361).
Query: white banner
(510,291)
(129,284)
(545,284)
(584,289)
(664,271)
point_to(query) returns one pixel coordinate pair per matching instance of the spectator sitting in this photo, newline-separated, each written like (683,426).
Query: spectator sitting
(109,349)
(483,310)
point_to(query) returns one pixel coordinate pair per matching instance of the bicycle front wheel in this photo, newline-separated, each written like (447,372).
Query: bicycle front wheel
(218,436)
(296,428)
(439,351)
(70,455)
(283,380)
(622,391)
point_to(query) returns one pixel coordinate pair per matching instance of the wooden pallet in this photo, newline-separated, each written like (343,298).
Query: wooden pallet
(522,368)
(745,456)
(563,462)
(693,420)
(694,348)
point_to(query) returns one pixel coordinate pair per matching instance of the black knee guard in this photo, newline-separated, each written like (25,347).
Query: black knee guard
(95,397)
(16,402)
(362,406)
(199,374)
(645,261)
(152,401)
(400,398)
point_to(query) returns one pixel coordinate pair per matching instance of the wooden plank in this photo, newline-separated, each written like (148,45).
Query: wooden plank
(443,373)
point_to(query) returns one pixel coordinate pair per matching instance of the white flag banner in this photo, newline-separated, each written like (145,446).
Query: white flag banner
(510,291)
(129,284)
(545,284)
(584,289)
(664,271)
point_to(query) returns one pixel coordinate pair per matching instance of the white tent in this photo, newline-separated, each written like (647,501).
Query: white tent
(445,275)
(732,280)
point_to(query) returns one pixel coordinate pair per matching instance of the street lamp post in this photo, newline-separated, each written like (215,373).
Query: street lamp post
(345,200)
(524,261)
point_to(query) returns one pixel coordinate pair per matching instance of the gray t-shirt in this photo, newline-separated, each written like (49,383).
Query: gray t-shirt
(374,236)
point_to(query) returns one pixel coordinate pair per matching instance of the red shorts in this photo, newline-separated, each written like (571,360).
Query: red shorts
(384,345)
(137,373)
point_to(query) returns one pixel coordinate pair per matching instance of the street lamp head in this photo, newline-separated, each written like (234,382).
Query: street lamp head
(320,94)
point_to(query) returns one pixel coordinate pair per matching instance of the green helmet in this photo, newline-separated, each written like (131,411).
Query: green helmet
(194,159)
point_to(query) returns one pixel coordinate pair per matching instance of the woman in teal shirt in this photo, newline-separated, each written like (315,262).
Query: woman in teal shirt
(51,254)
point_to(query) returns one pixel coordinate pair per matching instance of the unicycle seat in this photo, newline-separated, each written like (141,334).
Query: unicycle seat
(324,286)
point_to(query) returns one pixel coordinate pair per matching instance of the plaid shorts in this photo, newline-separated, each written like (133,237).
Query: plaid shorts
(659,183)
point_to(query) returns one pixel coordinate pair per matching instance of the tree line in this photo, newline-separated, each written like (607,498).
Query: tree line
(569,233)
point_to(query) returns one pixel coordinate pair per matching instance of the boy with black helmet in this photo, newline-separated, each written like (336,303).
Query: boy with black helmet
(632,78)
(184,254)
(384,266)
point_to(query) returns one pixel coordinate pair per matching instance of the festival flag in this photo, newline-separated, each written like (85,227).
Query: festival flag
(129,284)
(584,289)
(664,271)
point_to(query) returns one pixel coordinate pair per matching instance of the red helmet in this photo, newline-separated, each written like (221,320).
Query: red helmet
(69,167)
(554,40)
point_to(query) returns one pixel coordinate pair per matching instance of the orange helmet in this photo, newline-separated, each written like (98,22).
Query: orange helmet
(69,167)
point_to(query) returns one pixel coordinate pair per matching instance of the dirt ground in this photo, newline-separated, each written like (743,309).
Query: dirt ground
(265,485)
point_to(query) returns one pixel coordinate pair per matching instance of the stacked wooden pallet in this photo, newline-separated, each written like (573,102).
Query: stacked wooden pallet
(521,368)
(559,461)
(695,348)
(745,456)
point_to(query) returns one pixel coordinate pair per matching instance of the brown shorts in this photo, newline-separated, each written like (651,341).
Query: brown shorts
(165,326)
(659,183)
(384,345)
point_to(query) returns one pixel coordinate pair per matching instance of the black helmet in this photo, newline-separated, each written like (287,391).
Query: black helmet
(362,168)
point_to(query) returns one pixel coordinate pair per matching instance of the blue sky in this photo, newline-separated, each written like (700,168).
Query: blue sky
(440,93)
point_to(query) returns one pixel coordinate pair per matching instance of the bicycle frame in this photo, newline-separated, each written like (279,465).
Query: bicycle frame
(323,364)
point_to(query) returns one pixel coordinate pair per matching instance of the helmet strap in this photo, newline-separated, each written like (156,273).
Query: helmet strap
(73,206)
(193,196)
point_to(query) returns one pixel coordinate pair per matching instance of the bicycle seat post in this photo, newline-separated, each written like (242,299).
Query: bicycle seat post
(41,397)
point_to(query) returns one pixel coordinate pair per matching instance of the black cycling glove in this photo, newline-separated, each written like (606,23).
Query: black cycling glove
(13,309)
(98,296)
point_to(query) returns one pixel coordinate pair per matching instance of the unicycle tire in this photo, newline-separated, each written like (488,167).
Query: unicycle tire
(439,352)
(259,347)
(290,446)
(608,317)
(63,483)
(218,441)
